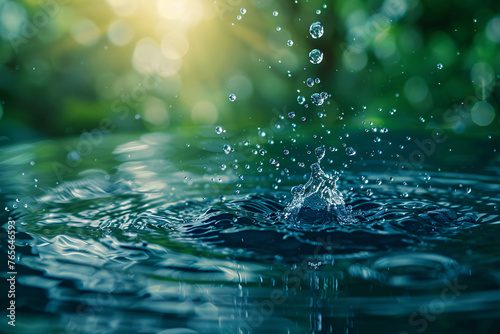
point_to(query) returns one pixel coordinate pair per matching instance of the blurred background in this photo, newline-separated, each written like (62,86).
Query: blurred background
(161,65)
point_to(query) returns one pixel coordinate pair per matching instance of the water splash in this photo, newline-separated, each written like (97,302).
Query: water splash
(318,201)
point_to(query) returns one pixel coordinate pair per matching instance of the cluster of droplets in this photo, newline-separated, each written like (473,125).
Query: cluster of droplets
(310,81)
(243,11)
(319,98)
(316,30)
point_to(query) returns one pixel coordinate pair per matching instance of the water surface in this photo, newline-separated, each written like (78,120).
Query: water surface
(149,233)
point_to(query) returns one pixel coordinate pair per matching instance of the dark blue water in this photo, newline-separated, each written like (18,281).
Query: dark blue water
(146,234)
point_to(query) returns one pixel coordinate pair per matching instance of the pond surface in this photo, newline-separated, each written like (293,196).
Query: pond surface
(150,233)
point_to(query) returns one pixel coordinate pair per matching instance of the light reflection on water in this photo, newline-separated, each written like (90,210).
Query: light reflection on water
(144,244)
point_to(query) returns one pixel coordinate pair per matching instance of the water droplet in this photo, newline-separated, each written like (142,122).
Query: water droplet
(219,130)
(318,11)
(32,163)
(316,30)
(316,99)
(315,56)
(384,130)
(310,82)
(238,17)
(301,99)
(369,192)
(243,11)
(468,190)
(262,133)
(275,13)
(440,66)
(278,28)
(226,148)
(289,42)
(320,152)
(232,97)
(286,152)
(291,114)
(317,81)
(350,151)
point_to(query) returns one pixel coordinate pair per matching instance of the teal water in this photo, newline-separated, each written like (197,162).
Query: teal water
(151,234)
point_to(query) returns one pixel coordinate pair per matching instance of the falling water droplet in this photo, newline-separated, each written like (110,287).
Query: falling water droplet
(316,30)
(232,97)
(315,56)
(316,99)
(350,151)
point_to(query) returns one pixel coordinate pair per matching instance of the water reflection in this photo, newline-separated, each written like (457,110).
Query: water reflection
(143,245)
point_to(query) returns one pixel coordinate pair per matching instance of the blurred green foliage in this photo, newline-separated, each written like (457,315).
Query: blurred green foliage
(158,65)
